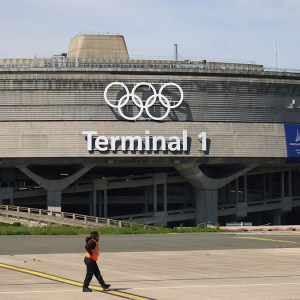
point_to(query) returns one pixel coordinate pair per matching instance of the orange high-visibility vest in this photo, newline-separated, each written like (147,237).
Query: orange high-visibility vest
(95,252)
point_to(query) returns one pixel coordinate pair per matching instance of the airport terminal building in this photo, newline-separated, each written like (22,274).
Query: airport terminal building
(92,131)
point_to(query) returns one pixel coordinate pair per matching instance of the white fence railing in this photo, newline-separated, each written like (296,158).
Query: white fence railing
(55,217)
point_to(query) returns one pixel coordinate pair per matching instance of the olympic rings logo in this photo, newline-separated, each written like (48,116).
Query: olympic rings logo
(146,104)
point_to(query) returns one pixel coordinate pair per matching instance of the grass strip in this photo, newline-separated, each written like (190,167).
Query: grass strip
(18,229)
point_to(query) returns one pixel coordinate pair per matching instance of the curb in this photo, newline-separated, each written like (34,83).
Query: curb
(260,228)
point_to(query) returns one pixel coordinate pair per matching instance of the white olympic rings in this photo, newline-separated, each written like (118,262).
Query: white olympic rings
(138,101)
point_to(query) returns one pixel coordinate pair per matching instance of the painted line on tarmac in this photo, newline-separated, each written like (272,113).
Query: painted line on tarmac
(215,286)
(170,287)
(265,239)
(73,282)
(53,291)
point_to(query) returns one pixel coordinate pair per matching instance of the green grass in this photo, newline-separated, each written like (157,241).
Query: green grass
(18,229)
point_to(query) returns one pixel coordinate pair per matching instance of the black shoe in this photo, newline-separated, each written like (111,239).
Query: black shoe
(105,286)
(86,289)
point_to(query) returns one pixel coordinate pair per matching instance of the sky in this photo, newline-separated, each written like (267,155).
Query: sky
(222,30)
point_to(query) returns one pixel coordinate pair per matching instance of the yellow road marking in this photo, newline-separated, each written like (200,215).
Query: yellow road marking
(265,239)
(73,282)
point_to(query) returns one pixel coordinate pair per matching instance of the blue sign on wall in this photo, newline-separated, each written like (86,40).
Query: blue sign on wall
(292,137)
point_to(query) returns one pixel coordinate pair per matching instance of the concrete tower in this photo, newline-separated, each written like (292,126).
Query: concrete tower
(98,46)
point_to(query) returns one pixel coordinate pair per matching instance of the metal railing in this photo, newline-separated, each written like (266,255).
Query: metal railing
(163,66)
(68,63)
(183,211)
(261,202)
(55,217)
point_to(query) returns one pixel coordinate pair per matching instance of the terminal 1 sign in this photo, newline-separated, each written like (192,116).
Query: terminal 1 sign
(147,142)
(117,95)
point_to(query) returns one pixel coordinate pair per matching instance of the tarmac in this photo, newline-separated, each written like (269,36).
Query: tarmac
(200,266)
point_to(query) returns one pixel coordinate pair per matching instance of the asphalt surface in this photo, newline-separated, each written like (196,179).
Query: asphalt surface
(13,245)
(194,266)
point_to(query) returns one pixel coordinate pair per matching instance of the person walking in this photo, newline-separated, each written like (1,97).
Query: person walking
(90,259)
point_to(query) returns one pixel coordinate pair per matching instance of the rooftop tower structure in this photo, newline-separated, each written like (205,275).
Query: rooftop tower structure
(96,46)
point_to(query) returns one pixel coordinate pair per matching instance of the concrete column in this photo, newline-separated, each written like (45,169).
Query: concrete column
(270,185)
(290,184)
(257,219)
(91,207)
(228,193)
(207,206)
(237,191)
(282,184)
(223,194)
(283,219)
(264,186)
(146,200)
(148,197)
(105,202)
(245,189)
(276,219)
(54,200)
(94,199)
(100,185)
(242,206)
(186,194)
(160,178)
(155,197)
(165,197)
(54,188)
(100,203)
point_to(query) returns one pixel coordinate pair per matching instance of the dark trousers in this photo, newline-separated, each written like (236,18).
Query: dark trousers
(91,269)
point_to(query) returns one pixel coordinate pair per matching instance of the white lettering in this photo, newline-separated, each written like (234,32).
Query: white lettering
(174,146)
(101,141)
(162,140)
(184,140)
(113,140)
(202,138)
(89,135)
(147,140)
(131,140)
(137,143)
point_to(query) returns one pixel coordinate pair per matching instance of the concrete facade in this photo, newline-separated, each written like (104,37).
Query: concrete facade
(243,174)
